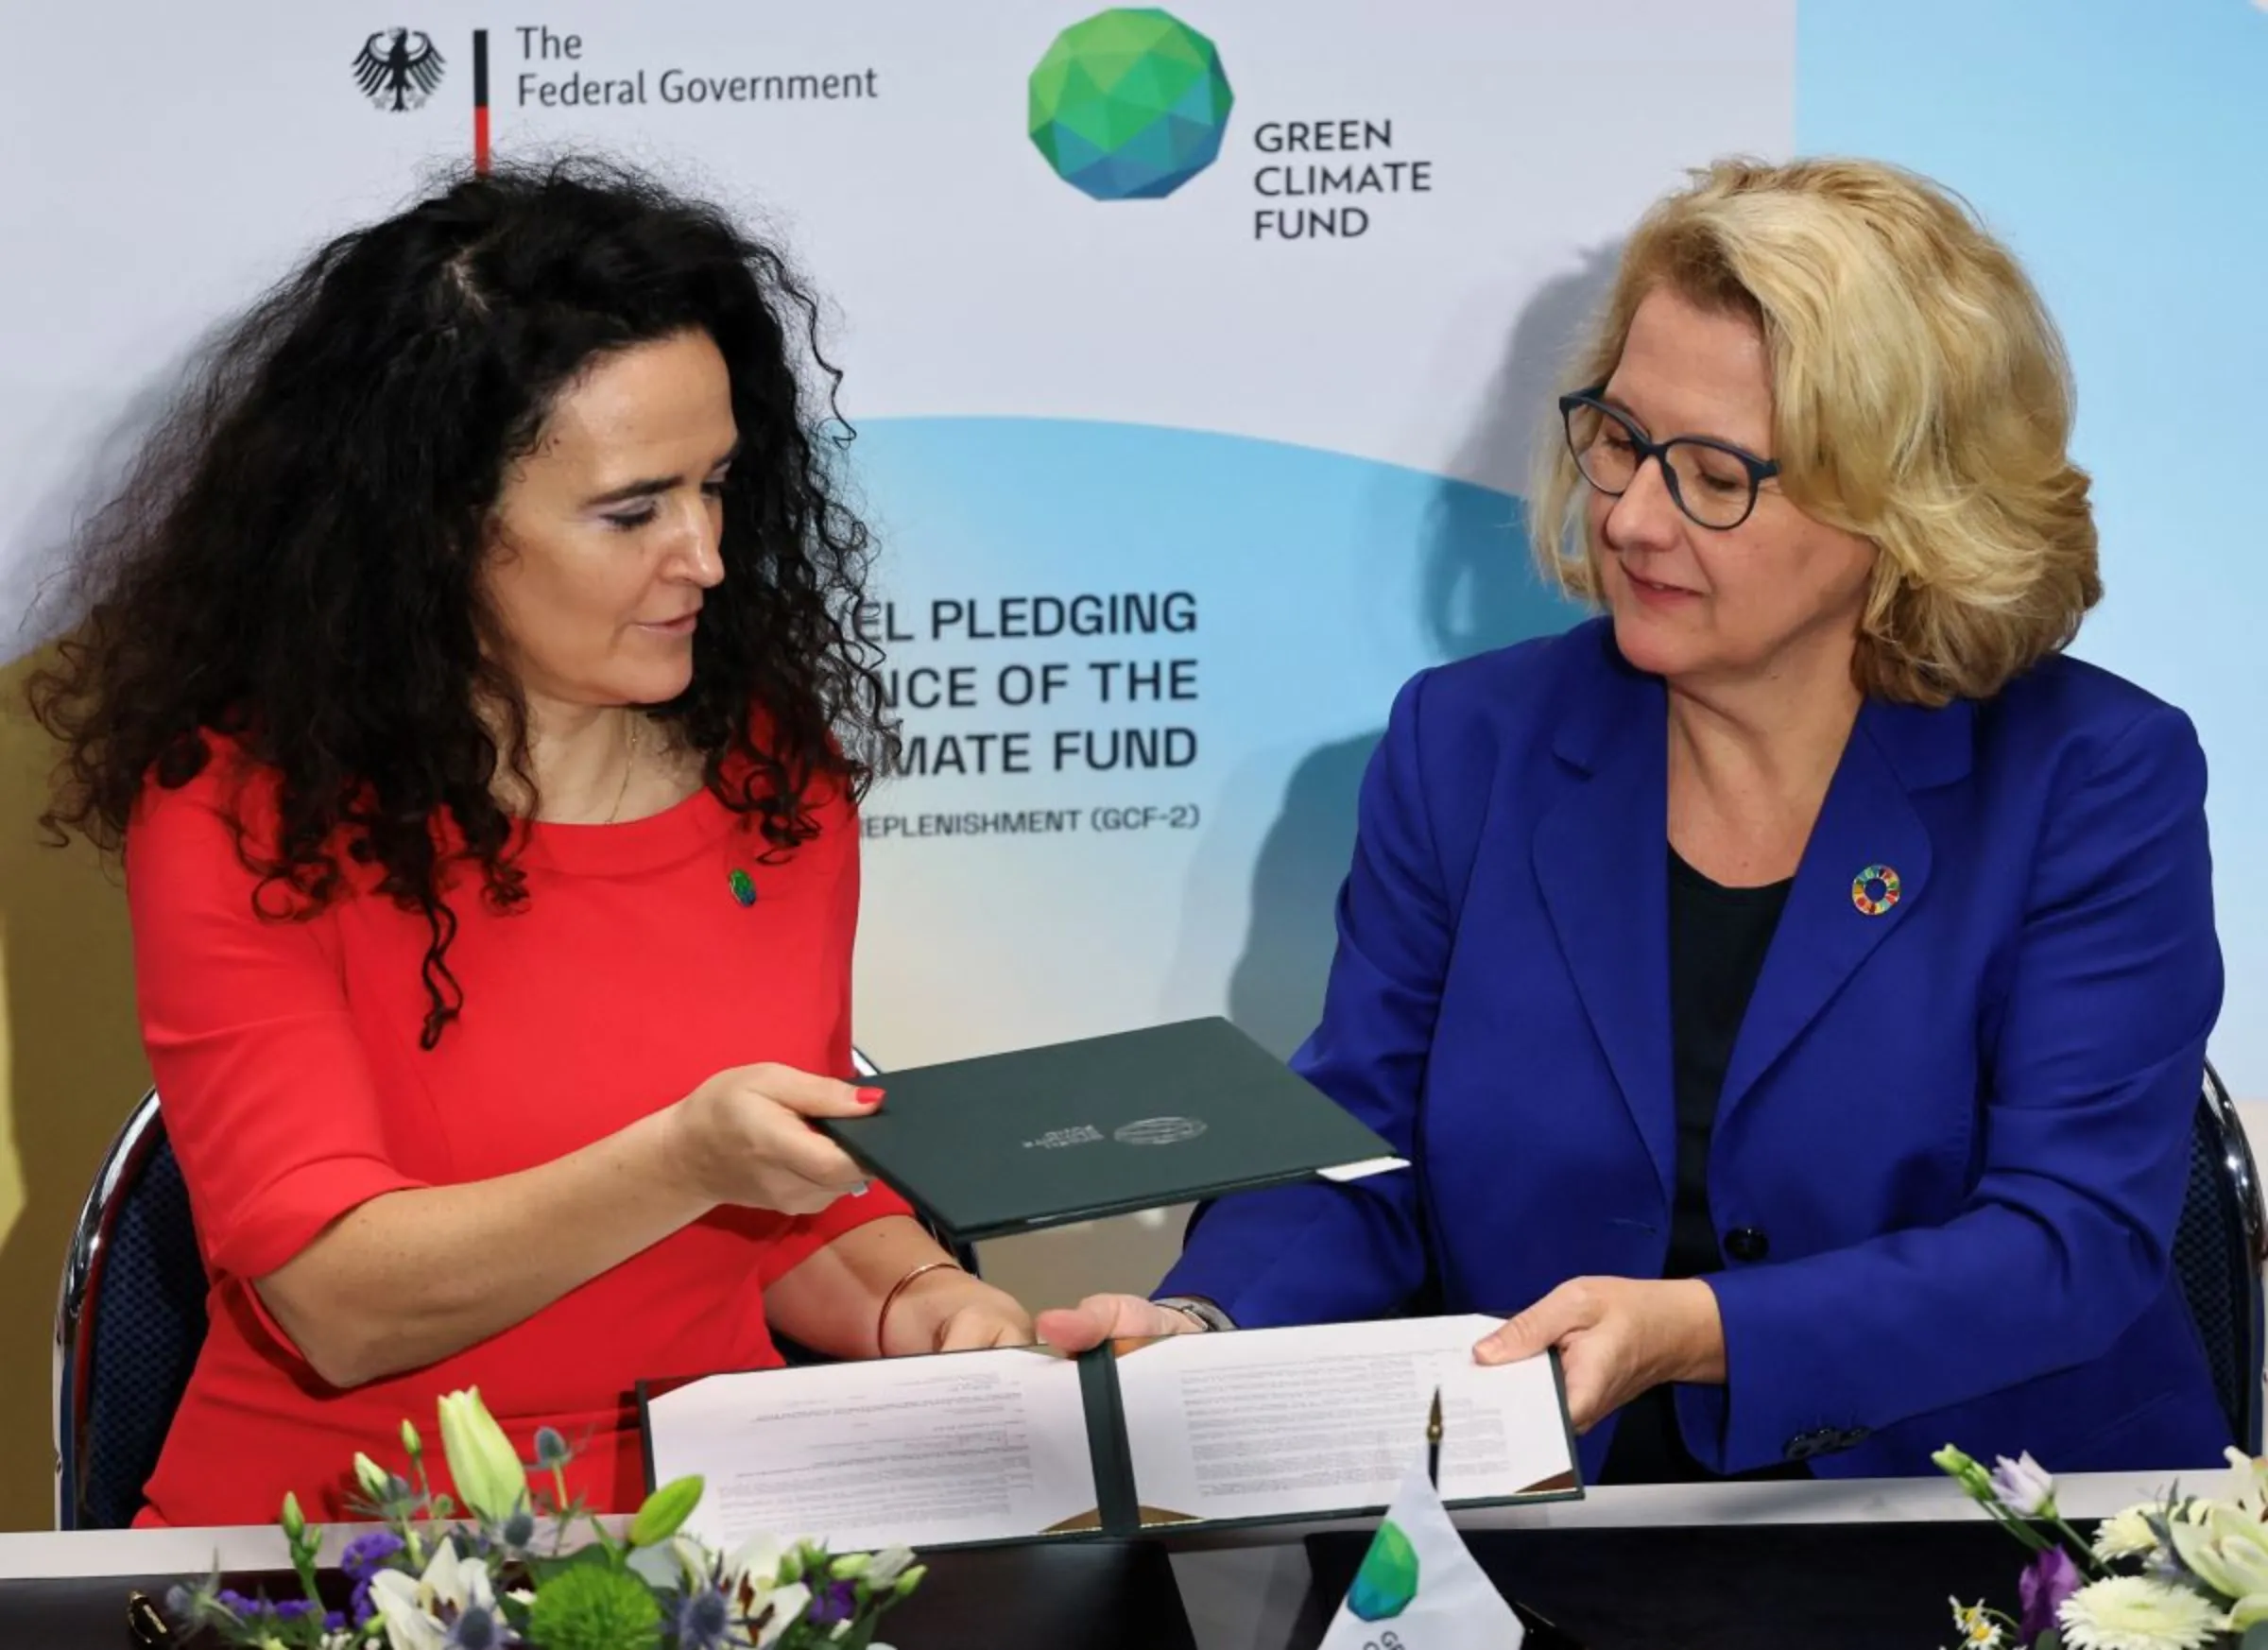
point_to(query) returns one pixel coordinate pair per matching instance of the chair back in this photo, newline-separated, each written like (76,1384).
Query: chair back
(2218,1249)
(128,1324)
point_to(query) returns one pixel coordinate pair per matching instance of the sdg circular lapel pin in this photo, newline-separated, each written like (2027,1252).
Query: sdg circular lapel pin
(1874,890)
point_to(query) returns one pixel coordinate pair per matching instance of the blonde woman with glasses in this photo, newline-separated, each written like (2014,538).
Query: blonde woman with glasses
(1792,987)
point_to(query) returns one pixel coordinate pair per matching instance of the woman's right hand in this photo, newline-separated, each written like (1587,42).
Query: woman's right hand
(1111,1317)
(740,1138)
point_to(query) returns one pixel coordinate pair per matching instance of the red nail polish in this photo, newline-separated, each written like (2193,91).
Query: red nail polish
(869,1096)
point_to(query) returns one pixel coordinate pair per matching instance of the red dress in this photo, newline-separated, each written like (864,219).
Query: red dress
(287,1064)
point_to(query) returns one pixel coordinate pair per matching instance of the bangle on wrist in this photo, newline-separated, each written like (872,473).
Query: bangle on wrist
(1202,1312)
(882,1319)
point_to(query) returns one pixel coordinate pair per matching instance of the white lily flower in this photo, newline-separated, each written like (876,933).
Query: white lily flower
(394,1596)
(2250,1491)
(460,1583)
(2247,1613)
(657,1567)
(417,1611)
(693,1558)
(2248,1479)
(756,1559)
(489,1477)
(752,1573)
(2228,1551)
(887,1566)
(788,1605)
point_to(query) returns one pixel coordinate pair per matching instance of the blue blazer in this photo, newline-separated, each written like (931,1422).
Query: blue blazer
(1957,1129)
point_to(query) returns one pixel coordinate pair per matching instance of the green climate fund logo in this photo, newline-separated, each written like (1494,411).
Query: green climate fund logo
(1131,104)
(1388,1582)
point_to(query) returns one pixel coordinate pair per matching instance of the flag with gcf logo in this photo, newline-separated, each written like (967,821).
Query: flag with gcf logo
(1419,1588)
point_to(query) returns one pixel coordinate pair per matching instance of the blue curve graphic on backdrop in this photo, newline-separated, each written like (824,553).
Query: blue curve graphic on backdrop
(1325,581)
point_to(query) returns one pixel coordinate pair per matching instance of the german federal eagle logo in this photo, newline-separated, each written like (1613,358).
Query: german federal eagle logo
(398,69)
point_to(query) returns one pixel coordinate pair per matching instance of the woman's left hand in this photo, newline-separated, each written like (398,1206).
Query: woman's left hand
(1617,1337)
(948,1311)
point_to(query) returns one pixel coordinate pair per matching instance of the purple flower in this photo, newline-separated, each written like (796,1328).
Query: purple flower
(836,1601)
(2024,1486)
(2047,1581)
(249,1608)
(366,1556)
(235,1602)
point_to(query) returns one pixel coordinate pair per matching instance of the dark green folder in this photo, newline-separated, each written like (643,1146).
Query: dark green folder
(1072,1131)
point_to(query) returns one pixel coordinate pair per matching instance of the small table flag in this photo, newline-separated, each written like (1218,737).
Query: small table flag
(1419,1588)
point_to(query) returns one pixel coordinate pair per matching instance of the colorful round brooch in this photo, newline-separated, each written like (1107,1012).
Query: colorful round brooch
(1874,890)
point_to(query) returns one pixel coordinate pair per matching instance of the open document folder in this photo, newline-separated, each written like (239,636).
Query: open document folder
(1041,1137)
(1020,1444)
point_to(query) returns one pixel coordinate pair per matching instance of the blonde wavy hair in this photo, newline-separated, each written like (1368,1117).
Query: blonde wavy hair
(1921,399)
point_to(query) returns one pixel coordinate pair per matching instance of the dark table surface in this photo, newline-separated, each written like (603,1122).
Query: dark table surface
(1722,1586)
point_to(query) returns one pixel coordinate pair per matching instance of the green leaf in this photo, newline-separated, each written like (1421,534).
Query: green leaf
(664,1511)
(2256,1638)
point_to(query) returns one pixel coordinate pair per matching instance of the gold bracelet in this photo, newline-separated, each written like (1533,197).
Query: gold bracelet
(882,1319)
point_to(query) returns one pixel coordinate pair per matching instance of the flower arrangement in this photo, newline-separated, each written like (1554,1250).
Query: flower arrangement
(520,1568)
(2187,1573)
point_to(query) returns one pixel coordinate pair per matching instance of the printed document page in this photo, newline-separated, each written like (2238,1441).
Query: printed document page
(1270,1423)
(923,1451)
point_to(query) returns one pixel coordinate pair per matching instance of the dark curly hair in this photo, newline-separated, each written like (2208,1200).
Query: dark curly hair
(291,562)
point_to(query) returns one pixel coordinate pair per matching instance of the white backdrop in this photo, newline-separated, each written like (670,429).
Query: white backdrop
(1311,444)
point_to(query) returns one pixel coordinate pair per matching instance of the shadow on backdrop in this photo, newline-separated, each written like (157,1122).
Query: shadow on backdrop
(1478,588)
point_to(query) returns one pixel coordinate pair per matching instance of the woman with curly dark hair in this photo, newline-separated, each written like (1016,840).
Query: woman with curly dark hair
(469,679)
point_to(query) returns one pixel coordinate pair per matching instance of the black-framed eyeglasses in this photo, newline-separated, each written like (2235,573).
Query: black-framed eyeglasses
(1713,482)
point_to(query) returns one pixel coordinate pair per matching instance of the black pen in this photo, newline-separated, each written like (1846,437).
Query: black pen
(1432,1442)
